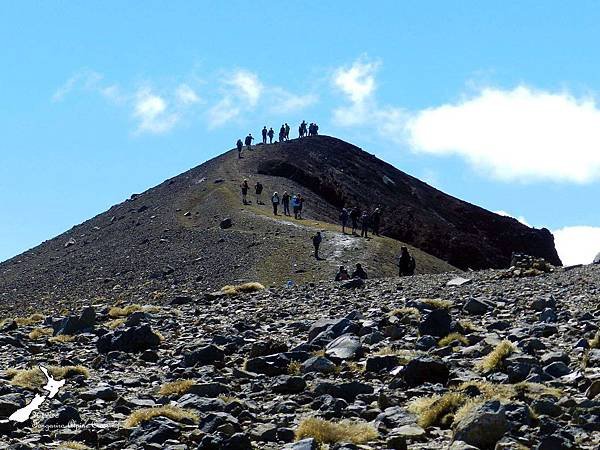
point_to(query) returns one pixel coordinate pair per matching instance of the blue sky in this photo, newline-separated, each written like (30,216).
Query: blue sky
(496,104)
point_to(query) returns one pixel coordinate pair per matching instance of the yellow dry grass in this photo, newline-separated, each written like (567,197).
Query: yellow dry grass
(29,320)
(61,339)
(327,432)
(118,311)
(294,367)
(33,379)
(115,323)
(175,413)
(437,303)
(468,325)
(595,342)
(235,289)
(432,410)
(37,333)
(72,445)
(406,312)
(493,359)
(451,338)
(178,387)
(404,356)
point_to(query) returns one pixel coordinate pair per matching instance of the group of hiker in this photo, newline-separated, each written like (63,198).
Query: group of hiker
(367,220)
(296,201)
(304,130)
(343,275)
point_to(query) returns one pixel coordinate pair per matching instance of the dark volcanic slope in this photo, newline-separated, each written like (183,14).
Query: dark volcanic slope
(169,236)
(463,234)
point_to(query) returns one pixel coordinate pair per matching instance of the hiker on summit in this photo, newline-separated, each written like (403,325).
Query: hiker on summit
(295,205)
(302,129)
(359,272)
(239,146)
(285,199)
(344,219)
(376,221)
(364,222)
(264,134)
(270,134)
(342,274)
(287,132)
(354,218)
(282,134)
(317,239)
(275,202)
(248,140)
(406,263)
(245,188)
(258,188)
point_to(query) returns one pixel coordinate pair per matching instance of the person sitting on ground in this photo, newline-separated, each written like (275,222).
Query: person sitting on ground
(406,263)
(264,134)
(354,218)
(344,219)
(317,239)
(275,202)
(359,272)
(285,199)
(287,132)
(364,221)
(258,188)
(376,221)
(342,274)
(239,146)
(295,205)
(248,140)
(245,188)
(271,133)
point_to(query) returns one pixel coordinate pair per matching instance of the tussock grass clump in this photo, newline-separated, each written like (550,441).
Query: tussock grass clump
(451,338)
(72,445)
(437,409)
(37,333)
(228,398)
(437,303)
(178,387)
(294,368)
(61,339)
(327,432)
(175,413)
(406,312)
(493,359)
(468,325)
(117,311)
(404,356)
(595,342)
(235,289)
(33,379)
(115,323)
(29,320)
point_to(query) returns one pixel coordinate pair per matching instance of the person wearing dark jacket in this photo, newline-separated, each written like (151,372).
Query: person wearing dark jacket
(271,133)
(317,239)
(364,221)
(406,263)
(275,202)
(248,140)
(344,219)
(359,272)
(258,188)
(376,221)
(264,134)
(354,218)
(245,188)
(285,199)
(342,274)
(239,146)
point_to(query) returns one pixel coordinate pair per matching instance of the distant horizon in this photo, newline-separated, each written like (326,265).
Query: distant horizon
(487,103)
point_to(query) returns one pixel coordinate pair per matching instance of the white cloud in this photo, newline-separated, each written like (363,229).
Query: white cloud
(519,218)
(518,134)
(84,79)
(283,102)
(577,244)
(246,85)
(357,81)
(186,95)
(152,113)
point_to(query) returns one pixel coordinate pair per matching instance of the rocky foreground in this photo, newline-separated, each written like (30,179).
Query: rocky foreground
(493,361)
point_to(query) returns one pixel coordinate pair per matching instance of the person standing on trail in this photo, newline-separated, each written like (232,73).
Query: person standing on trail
(302,129)
(342,274)
(359,272)
(354,217)
(317,239)
(239,146)
(258,188)
(245,188)
(275,202)
(287,132)
(376,221)
(295,205)
(282,133)
(285,199)
(264,134)
(300,205)
(344,219)
(271,133)
(406,263)
(248,140)
(364,222)
(315,129)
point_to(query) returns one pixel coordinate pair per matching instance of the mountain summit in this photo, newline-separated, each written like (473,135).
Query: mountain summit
(170,236)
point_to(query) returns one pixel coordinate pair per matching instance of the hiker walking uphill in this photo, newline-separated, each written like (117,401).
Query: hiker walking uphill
(264,134)
(317,239)
(354,218)
(364,222)
(248,140)
(406,263)
(285,199)
(245,188)
(344,219)
(271,133)
(258,188)
(275,202)
(239,146)
(376,221)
